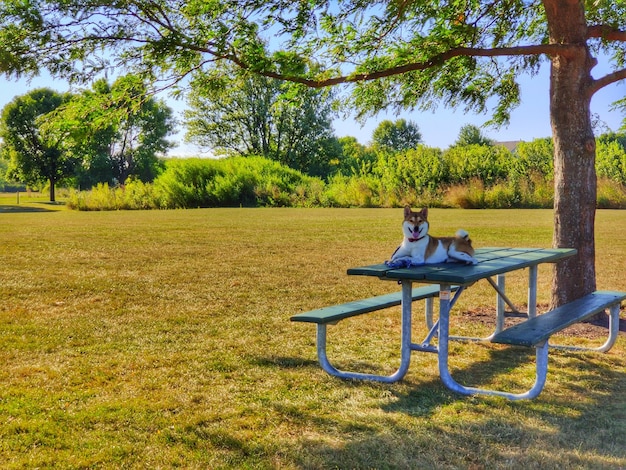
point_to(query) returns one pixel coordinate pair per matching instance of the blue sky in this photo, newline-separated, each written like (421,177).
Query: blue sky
(439,128)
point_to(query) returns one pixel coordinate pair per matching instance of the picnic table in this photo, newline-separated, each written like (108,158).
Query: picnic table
(448,281)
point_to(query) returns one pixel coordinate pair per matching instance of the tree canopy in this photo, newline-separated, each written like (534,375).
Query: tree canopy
(248,114)
(35,156)
(398,135)
(116,131)
(396,54)
(472,135)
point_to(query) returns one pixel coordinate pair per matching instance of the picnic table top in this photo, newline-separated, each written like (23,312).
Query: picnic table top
(491,262)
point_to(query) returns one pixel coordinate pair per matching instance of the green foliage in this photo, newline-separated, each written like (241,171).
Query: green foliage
(472,135)
(534,192)
(117,131)
(471,176)
(409,175)
(408,44)
(234,181)
(534,157)
(133,196)
(354,158)
(611,160)
(396,136)
(611,194)
(485,162)
(354,191)
(35,153)
(6,184)
(240,113)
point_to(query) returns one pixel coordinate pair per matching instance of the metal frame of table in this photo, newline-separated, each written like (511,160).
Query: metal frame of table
(491,262)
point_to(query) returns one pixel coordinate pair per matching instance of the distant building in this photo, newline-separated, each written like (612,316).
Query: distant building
(510,145)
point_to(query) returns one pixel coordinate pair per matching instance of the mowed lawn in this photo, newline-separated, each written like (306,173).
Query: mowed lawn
(162,339)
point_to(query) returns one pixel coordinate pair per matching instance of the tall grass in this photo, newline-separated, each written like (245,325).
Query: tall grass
(161,339)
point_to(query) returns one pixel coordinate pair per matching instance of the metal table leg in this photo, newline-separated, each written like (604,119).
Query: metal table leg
(405,346)
(445,305)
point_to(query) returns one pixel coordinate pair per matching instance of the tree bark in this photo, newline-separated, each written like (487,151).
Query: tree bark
(52,196)
(574,150)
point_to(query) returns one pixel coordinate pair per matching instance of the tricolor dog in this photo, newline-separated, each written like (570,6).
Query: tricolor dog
(420,248)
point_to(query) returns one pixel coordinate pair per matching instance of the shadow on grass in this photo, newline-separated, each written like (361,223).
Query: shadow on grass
(577,421)
(283,362)
(426,397)
(16,209)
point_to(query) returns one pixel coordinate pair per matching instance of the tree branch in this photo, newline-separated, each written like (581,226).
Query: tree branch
(607,80)
(548,49)
(606,32)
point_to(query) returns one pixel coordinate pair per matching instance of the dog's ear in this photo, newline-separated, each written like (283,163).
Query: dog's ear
(424,212)
(407,211)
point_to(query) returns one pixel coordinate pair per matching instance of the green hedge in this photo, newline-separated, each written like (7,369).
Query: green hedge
(474,176)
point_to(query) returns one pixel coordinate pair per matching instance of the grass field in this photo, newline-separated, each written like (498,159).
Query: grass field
(162,339)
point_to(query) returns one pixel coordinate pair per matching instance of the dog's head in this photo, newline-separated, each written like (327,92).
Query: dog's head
(415,225)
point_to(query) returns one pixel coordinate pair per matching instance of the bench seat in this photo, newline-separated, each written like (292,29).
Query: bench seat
(539,329)
(335,313)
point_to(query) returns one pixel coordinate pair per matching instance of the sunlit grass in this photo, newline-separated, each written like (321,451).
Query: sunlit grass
(162,338)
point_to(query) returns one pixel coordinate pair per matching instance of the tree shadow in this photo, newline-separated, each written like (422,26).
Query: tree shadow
(17,209)
(283,362)
(486,431)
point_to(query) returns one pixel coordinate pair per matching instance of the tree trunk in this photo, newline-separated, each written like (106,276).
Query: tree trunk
(574,151)
(52,197)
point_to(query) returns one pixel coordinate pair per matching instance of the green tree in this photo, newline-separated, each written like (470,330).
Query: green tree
(35,154)
(355,158)
(248,114)
(3,170)
(118,130)
(397,136)
(472,135)
(397,55)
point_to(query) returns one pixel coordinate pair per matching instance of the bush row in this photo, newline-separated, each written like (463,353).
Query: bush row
(197,182)
(488,180)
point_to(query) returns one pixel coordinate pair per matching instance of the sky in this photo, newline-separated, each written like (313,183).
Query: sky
(439,128)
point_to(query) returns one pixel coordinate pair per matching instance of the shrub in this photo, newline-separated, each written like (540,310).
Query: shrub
(488,163)
(418,169)
(473,176)
(466,196)
(500,196)
(535,157)
(134,195)
(354,191)
(611,161)
(184,183)
(611,194)
(234,181)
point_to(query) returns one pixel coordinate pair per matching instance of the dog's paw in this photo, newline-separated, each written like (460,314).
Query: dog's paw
(402,262)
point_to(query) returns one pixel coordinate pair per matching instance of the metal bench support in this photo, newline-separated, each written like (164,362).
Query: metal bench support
(405,347)
(541,359)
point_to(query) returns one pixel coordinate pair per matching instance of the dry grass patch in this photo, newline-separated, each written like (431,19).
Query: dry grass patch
(162,339)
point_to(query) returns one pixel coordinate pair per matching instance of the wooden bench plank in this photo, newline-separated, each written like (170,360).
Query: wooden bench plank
(540,328)
(336,313)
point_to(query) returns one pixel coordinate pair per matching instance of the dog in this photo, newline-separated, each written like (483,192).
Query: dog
(420,248)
